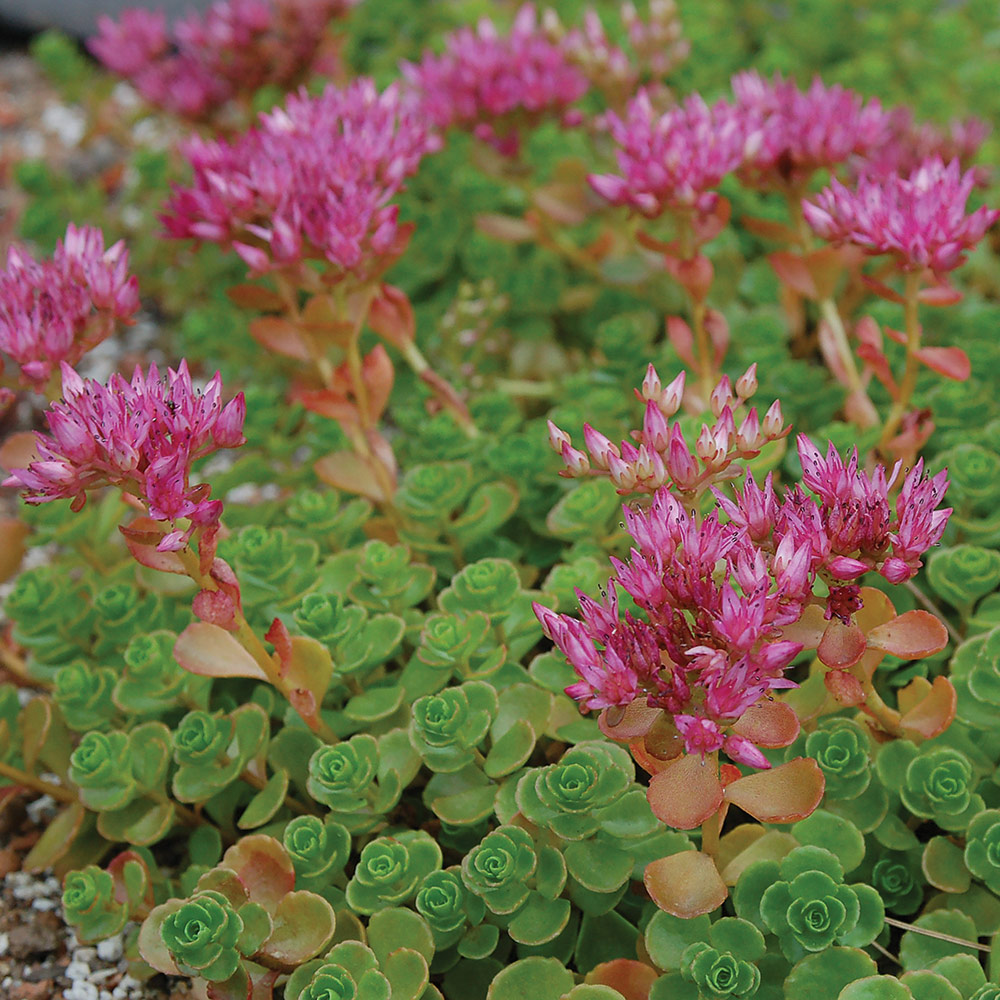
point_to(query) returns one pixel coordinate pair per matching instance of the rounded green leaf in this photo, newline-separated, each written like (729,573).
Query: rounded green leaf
(536,977)
(876,988)
(823,975)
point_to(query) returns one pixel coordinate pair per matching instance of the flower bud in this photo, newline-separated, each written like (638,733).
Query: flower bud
(746,384)
(599,446)
(651,385)
(773,426)
(558,438)
(722,396)
(577,463)
(655,432)
(671,397)
(622,474)
(748,437)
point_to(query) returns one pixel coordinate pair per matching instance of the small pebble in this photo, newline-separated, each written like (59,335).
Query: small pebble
(85,954)
(110,950)
(44,904)
(82,990)
(77,970)
(4,942)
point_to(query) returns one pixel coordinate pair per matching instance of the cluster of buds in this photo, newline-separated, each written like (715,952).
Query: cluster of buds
(495,85)
(233,49)
(792,133)
(313,181)
(56,310)
(657,47)
(142,436)
(920,219)
(659,456)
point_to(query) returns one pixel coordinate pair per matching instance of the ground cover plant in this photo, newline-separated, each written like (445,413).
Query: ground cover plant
(551,546)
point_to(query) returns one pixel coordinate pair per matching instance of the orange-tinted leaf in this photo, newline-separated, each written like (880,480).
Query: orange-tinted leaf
(564,202)
(877,610)
(932,715)
(842,645)
(141,537)
(211,651)
(939,295)
(792,271)
(281,336)
(686,792)
(328,403)
(506,228)
(911,636)
(844,687)
(390,315)
(12,535)
(262,865)
(881,289)
(808,629)
(628,723)
(377,374)
(18,451)
(255,297)
(825,267)
(770,229)
(681,338)
(785,794)
(632,979)
(350,472)
(768,724)
(686,884)
(952,362)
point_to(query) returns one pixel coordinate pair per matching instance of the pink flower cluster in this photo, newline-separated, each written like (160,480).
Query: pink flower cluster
(659,455)
(234,48)
(920,219)
(313,180)
(142,436)
(671,161)
(791,133)
(715,592)
(493,84)
(57,309)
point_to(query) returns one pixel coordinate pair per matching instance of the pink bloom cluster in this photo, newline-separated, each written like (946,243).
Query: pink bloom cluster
(671,161)
(313,180)
(492,84)
(908,143)
(920,219)
(234,48)
(659,455)
(791,133)
(142,436)
(58,309)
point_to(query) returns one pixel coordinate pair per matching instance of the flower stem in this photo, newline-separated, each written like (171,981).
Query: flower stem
(909,380)
(888,718)
(19,777)
(868,415)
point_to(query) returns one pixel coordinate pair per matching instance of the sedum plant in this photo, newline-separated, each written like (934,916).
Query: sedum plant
(358,679)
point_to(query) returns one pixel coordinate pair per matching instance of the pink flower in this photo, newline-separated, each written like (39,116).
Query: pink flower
(56,310)
(312,181)
(793,133)
(671,161)
(920,219)
(493,84)
(142,436)
(235,47)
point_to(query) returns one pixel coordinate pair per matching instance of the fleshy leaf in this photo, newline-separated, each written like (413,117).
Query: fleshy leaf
(785,794)
(910,636)
(211,651)
(686,792)
(686,884)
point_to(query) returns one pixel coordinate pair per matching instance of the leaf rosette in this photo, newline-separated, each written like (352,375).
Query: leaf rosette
(447,906)
(152,679)
(843,751)
(201,935)
(343,778)
(982,848)
(498,868)
(83,694)
(719,975)
(446,728)
(390,870)
(101,767)
(319,850)
(90,906)
(940,784)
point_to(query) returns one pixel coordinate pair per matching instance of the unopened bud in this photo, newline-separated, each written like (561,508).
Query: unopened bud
(649,468)
(748,437)
(558,438)
(651,385)
(722,396)
(655,430)
(577,462)
(746,384)
(599,446)
(671,397)
(773,425)
(622,474)
(680,462)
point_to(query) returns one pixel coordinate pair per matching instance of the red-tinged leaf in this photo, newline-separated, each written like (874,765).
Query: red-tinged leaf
(236,987)
(124,884)
(844,687)
(329,403)
(768,724)
(717,328)
(808,629)
(951,362)
(939,295)
(309,665)
(350,472)
(141,542)
(842,645)
(263,868)
(378,374)
(686,885)
(896,336)
(151,947)
(784,794)
(210,651)
(792,271)
(12,535)
(708,225)
(255,297)
(18,451)
(933,714)
(304,703)
(877,609)
(830,350)
(303,923)
(566,203)
(649,242)
(911,636)
(686,792)
(262,982)
(628,723)
(281,336)
(695,274)
(444,392)
(770,229)
(632,979)
(825,266)
(216,608)
(881,289)
(506,228)
(681,339)
(868,332)
(279,637)
(390,315)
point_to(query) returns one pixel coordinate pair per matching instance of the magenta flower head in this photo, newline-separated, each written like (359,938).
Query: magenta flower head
(919,219)
(493,84)
(142,436)
(236,46)
(791,133)
(312,181)
(671,161)
(55,310)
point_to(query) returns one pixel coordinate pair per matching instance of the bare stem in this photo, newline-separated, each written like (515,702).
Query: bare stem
(19,777)
(909,380)
(937,934)
(868,414)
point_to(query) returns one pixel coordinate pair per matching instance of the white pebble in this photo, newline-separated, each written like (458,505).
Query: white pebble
(4,942)
(69,124)
(82,990)
(84,954)
(111,949)
(77,970)
(43,904)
